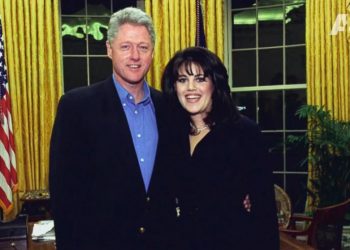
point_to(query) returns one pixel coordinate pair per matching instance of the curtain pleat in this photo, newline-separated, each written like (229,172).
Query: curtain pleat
(213,13)
(348,14)
(175,25)
(328,61)
(33,55)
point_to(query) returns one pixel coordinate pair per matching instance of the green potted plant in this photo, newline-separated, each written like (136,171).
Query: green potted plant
(328,142)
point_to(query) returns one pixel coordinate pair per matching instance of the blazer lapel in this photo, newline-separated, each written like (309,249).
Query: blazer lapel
(159,113)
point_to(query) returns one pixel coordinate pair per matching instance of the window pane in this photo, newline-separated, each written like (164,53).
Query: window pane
(120,4)
(243,29)
(274,143)
(269,2)
(69,7)
(244,68)
(295,155)
(247,103)
(278,179)
(270,66)
(294,99)
(295,65)
(73,36)
(270,26)
(99,7)
(296,189)
(270,110)
(294,1)
(236,4)
(100,68)
(75,74)
(97,37)
(278,23)
(295,24)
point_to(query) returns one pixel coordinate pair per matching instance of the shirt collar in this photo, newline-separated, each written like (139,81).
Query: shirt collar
(124,95)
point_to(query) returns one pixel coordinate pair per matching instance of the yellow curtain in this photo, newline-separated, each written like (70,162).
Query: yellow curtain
(328,60)
(33,56)
(348,15)
(214,25)
(175,25)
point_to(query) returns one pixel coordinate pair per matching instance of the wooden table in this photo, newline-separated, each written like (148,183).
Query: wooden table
(289,243)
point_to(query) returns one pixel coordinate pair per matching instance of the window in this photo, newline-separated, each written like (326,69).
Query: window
(84,27)
(266,58)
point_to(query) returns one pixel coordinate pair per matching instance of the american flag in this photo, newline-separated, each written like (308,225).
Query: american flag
(8,173)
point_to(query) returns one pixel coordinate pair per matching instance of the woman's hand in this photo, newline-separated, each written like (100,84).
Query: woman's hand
(246,203)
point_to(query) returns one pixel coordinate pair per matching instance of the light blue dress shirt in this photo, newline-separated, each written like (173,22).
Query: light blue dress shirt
(143,128)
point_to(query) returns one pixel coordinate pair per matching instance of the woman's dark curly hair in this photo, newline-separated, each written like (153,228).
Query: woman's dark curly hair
(223,106)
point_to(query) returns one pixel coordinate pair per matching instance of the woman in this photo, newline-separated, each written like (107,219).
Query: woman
(224,159)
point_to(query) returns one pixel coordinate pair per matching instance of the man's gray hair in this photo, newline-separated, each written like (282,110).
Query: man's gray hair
(133,16)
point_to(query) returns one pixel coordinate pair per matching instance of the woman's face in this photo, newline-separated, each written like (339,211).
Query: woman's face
(194,91)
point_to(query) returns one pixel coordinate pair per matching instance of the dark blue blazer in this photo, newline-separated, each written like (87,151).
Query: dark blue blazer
(226,165)
(97,192)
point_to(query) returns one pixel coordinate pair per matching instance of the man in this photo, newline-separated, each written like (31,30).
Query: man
(108,183)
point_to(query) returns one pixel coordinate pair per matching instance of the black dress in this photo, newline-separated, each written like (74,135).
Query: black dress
(226,165)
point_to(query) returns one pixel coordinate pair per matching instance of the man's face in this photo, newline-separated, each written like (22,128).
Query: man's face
(131,52)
